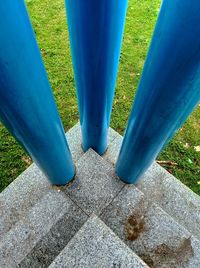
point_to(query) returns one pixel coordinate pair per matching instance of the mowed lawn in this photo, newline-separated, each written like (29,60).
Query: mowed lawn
(49,22)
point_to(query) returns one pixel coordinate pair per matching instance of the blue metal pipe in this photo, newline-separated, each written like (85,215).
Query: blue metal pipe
(27,106)
(96,31)
(169,88)
(187,111)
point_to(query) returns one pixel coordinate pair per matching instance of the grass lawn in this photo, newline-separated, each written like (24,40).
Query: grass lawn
(49,22)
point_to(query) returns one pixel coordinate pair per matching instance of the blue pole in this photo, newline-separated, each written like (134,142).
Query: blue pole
(27,106)
(169,88)
(187,111)
(96,31)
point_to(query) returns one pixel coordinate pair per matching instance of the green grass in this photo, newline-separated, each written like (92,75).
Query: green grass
(48,19)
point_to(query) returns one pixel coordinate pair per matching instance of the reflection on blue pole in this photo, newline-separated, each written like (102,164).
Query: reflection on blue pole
(96,30)
(169,88)
(27,106)
(187,111)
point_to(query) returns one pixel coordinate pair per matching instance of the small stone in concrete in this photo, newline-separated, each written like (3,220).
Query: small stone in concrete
(149,231)
(96,246)
(95,184)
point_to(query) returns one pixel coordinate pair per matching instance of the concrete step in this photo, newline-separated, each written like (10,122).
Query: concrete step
(96,246)
(37,220)
(174,197)
(20,196)
(93,188)
(74,139)
(40,222)
(160,187)
(150,232)
(95,184)
(25,191)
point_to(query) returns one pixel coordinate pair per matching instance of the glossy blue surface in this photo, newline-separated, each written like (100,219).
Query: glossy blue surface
(169,88)
(96,30)
(27,106)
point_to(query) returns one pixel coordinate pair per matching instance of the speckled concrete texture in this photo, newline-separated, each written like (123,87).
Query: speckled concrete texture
(162,188)
(47,249)
(175,198)
(74,139)
(113,150)
(158,219)
(95,184)
(27,232)
(150,232)
(20,195)
(96,246)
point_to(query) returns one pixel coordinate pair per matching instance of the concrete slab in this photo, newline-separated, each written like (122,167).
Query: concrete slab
(30,229)
(38,220)
(49,247)
(74,139)
(175,198)
(20,196)
(162,188)
(95,184)
(150,232)
(112,135)
(112,152)
(24,192)
(96,246)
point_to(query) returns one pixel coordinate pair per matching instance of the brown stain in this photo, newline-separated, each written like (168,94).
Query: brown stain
(163,254)
(73,183)
(134,226)
(148,260)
